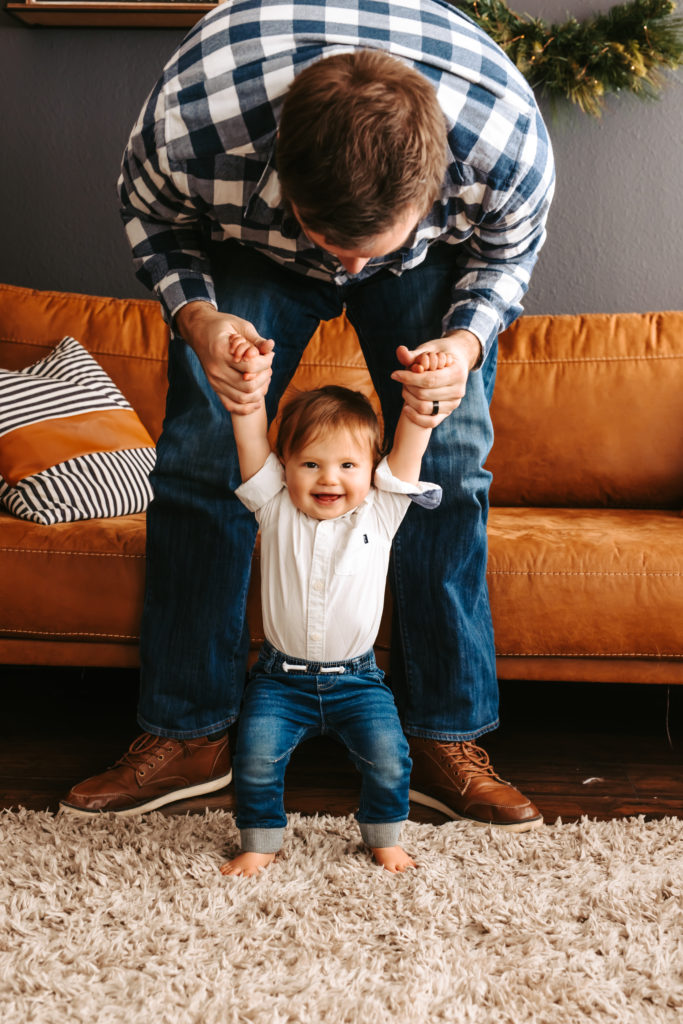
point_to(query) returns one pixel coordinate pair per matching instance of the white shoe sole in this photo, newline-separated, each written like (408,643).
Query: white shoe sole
(159,801)
(430,801)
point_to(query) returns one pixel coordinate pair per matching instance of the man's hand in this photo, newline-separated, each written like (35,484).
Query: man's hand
(236,359)
(436,371)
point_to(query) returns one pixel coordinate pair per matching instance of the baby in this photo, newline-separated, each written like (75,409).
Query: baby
(328,506)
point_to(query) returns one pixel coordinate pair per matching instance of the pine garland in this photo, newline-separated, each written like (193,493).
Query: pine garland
(622,50)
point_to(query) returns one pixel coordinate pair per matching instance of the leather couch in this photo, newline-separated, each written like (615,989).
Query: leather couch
(586,535)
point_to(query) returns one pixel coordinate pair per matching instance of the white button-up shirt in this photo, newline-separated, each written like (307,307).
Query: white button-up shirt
(323,580)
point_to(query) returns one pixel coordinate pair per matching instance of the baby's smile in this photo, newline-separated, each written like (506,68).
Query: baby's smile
(327,499)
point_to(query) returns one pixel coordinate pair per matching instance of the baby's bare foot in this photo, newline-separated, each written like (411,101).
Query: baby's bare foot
(393,858)
(247,863)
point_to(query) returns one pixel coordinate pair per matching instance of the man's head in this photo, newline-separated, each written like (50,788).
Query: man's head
(361,147)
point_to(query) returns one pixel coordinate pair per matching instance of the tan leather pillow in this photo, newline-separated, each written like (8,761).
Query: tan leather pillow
(587,412)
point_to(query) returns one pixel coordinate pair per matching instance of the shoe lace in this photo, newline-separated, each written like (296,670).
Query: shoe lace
(146,750)
(468,759)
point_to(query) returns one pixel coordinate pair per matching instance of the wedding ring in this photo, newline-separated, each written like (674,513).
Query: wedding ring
(435,408)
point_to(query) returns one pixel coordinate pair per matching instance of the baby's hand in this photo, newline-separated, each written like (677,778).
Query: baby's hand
(432,361)
(241,352)
(241,349)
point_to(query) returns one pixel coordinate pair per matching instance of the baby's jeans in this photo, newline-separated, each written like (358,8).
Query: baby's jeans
(289,700)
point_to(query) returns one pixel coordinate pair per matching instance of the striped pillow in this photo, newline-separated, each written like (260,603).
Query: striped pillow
(71,446)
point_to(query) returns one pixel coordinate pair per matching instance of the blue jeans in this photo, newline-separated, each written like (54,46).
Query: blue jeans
(285,705)
(200,538)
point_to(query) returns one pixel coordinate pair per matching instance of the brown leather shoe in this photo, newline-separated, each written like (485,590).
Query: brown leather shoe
(458,780)
(154,771)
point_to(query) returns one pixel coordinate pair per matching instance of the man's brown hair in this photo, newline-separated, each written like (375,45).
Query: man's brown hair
(362,139)
(312,413)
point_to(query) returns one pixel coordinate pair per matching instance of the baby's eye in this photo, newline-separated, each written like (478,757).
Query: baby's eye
(348,465)
(310,465)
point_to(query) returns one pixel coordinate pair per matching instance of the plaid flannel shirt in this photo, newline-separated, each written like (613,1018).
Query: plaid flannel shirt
(200,161)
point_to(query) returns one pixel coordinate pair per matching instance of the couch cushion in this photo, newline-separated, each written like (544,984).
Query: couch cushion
(564,583)
(572,583)
(72,581)
(597,396)
(587,412)
(128,337)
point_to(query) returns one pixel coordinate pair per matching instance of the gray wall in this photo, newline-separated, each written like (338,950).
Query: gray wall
(68,98)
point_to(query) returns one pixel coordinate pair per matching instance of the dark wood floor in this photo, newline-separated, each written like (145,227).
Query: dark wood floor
(604,750)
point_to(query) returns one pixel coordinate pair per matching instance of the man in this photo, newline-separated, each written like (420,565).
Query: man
(292,162)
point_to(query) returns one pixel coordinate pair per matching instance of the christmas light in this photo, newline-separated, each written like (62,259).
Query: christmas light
(624,49)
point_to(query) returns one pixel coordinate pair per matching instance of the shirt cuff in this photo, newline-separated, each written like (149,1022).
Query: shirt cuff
(262,486)
(425,494)
(480,321)
(175,292)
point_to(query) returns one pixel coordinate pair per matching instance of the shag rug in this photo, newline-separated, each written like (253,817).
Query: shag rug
(130,921)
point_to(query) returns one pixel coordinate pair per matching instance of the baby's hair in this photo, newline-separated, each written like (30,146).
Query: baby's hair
(311,413)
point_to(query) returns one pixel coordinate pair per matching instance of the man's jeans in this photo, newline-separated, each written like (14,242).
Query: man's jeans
(288,701)
(194,641)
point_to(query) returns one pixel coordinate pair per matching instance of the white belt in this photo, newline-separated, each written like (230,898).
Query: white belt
(304,668)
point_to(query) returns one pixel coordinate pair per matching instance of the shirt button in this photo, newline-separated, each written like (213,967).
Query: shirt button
(315,636)
(318,585)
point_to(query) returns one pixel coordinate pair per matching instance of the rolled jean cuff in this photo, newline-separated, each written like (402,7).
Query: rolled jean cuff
(261,840)
(380,834)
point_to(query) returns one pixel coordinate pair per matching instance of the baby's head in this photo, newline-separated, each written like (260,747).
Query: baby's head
(329,442)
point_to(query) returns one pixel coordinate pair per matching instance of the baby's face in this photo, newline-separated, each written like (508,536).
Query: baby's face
(330,475)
